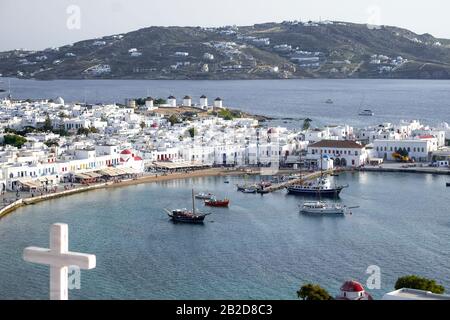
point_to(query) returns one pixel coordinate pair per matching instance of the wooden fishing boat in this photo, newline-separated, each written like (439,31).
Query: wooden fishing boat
(217,203)
(185,215)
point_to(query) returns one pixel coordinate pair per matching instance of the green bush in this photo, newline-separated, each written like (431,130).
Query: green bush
(14,140)
(313,292)
(420,283)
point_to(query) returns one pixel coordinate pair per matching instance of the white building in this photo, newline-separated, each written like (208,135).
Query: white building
(172,101)
(418,149)
(218,103)
(203,102)
(187,101)
(414,294)
(149,103)
(344,153)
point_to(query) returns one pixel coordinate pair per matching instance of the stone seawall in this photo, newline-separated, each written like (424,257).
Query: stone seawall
(21,202)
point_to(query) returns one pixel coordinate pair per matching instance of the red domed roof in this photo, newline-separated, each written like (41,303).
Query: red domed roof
(137,158)
(352,286)
(126,151)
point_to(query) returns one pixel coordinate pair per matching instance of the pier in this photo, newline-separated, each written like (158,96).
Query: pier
(301,180)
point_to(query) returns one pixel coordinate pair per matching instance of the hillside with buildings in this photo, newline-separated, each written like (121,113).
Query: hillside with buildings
(290,49)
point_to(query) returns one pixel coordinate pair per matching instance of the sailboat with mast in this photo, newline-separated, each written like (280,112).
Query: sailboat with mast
(185,215)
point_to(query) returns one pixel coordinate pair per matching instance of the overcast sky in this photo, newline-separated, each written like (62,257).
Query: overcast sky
(44,23)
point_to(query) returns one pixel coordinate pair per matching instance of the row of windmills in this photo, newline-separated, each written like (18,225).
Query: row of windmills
(171,101)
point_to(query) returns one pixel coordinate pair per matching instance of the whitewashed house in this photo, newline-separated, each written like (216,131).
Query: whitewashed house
(418,149)
(344,153)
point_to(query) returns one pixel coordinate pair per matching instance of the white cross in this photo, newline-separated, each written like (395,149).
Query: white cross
(59,258)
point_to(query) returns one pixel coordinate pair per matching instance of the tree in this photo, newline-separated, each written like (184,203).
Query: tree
(51,143)
(93,129)
(142,125)
(48,126)
(420,283)
(227,114)
(159,101)
(403,152)
(14,140)
(173,119)
(84,131)
(62,115)
(192,132)
(306,124)
(313,292)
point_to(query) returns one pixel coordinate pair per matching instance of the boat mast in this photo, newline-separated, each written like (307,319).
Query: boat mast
(193,202)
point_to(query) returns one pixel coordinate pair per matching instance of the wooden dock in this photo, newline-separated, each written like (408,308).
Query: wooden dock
(301,180)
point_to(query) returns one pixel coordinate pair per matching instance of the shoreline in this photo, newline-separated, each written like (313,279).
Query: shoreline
(218,172)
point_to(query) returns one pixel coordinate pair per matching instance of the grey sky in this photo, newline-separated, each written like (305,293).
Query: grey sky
(43,23)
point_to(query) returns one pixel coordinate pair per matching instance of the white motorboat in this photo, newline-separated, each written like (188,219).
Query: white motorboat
(322,208)
(204,196)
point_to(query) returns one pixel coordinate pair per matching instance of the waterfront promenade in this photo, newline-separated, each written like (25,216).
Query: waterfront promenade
(406,167)
(10,200)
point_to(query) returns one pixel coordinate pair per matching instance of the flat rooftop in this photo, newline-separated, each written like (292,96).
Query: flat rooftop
(413,294)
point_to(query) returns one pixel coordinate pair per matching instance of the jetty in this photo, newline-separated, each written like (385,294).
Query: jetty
(302,179)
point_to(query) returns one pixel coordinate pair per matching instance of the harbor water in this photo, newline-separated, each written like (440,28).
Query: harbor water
(258,248)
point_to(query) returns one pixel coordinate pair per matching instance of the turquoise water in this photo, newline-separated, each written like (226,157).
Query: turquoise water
(259,248)
(391,100)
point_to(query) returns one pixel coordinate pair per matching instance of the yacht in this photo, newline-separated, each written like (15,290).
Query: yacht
(322,208)
(320,187)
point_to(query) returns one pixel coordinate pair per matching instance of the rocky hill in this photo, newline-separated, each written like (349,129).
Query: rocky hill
(290,49)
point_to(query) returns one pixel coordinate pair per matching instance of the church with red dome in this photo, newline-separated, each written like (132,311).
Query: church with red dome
(353,290)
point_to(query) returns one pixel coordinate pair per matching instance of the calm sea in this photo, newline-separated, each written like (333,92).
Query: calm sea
(259,248)
(391,100)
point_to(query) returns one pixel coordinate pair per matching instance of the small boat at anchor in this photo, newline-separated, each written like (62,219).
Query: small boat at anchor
(217,203)
(249,190)
(366,112)
(185,215)
(204,196)
(448,184)
(322,208)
